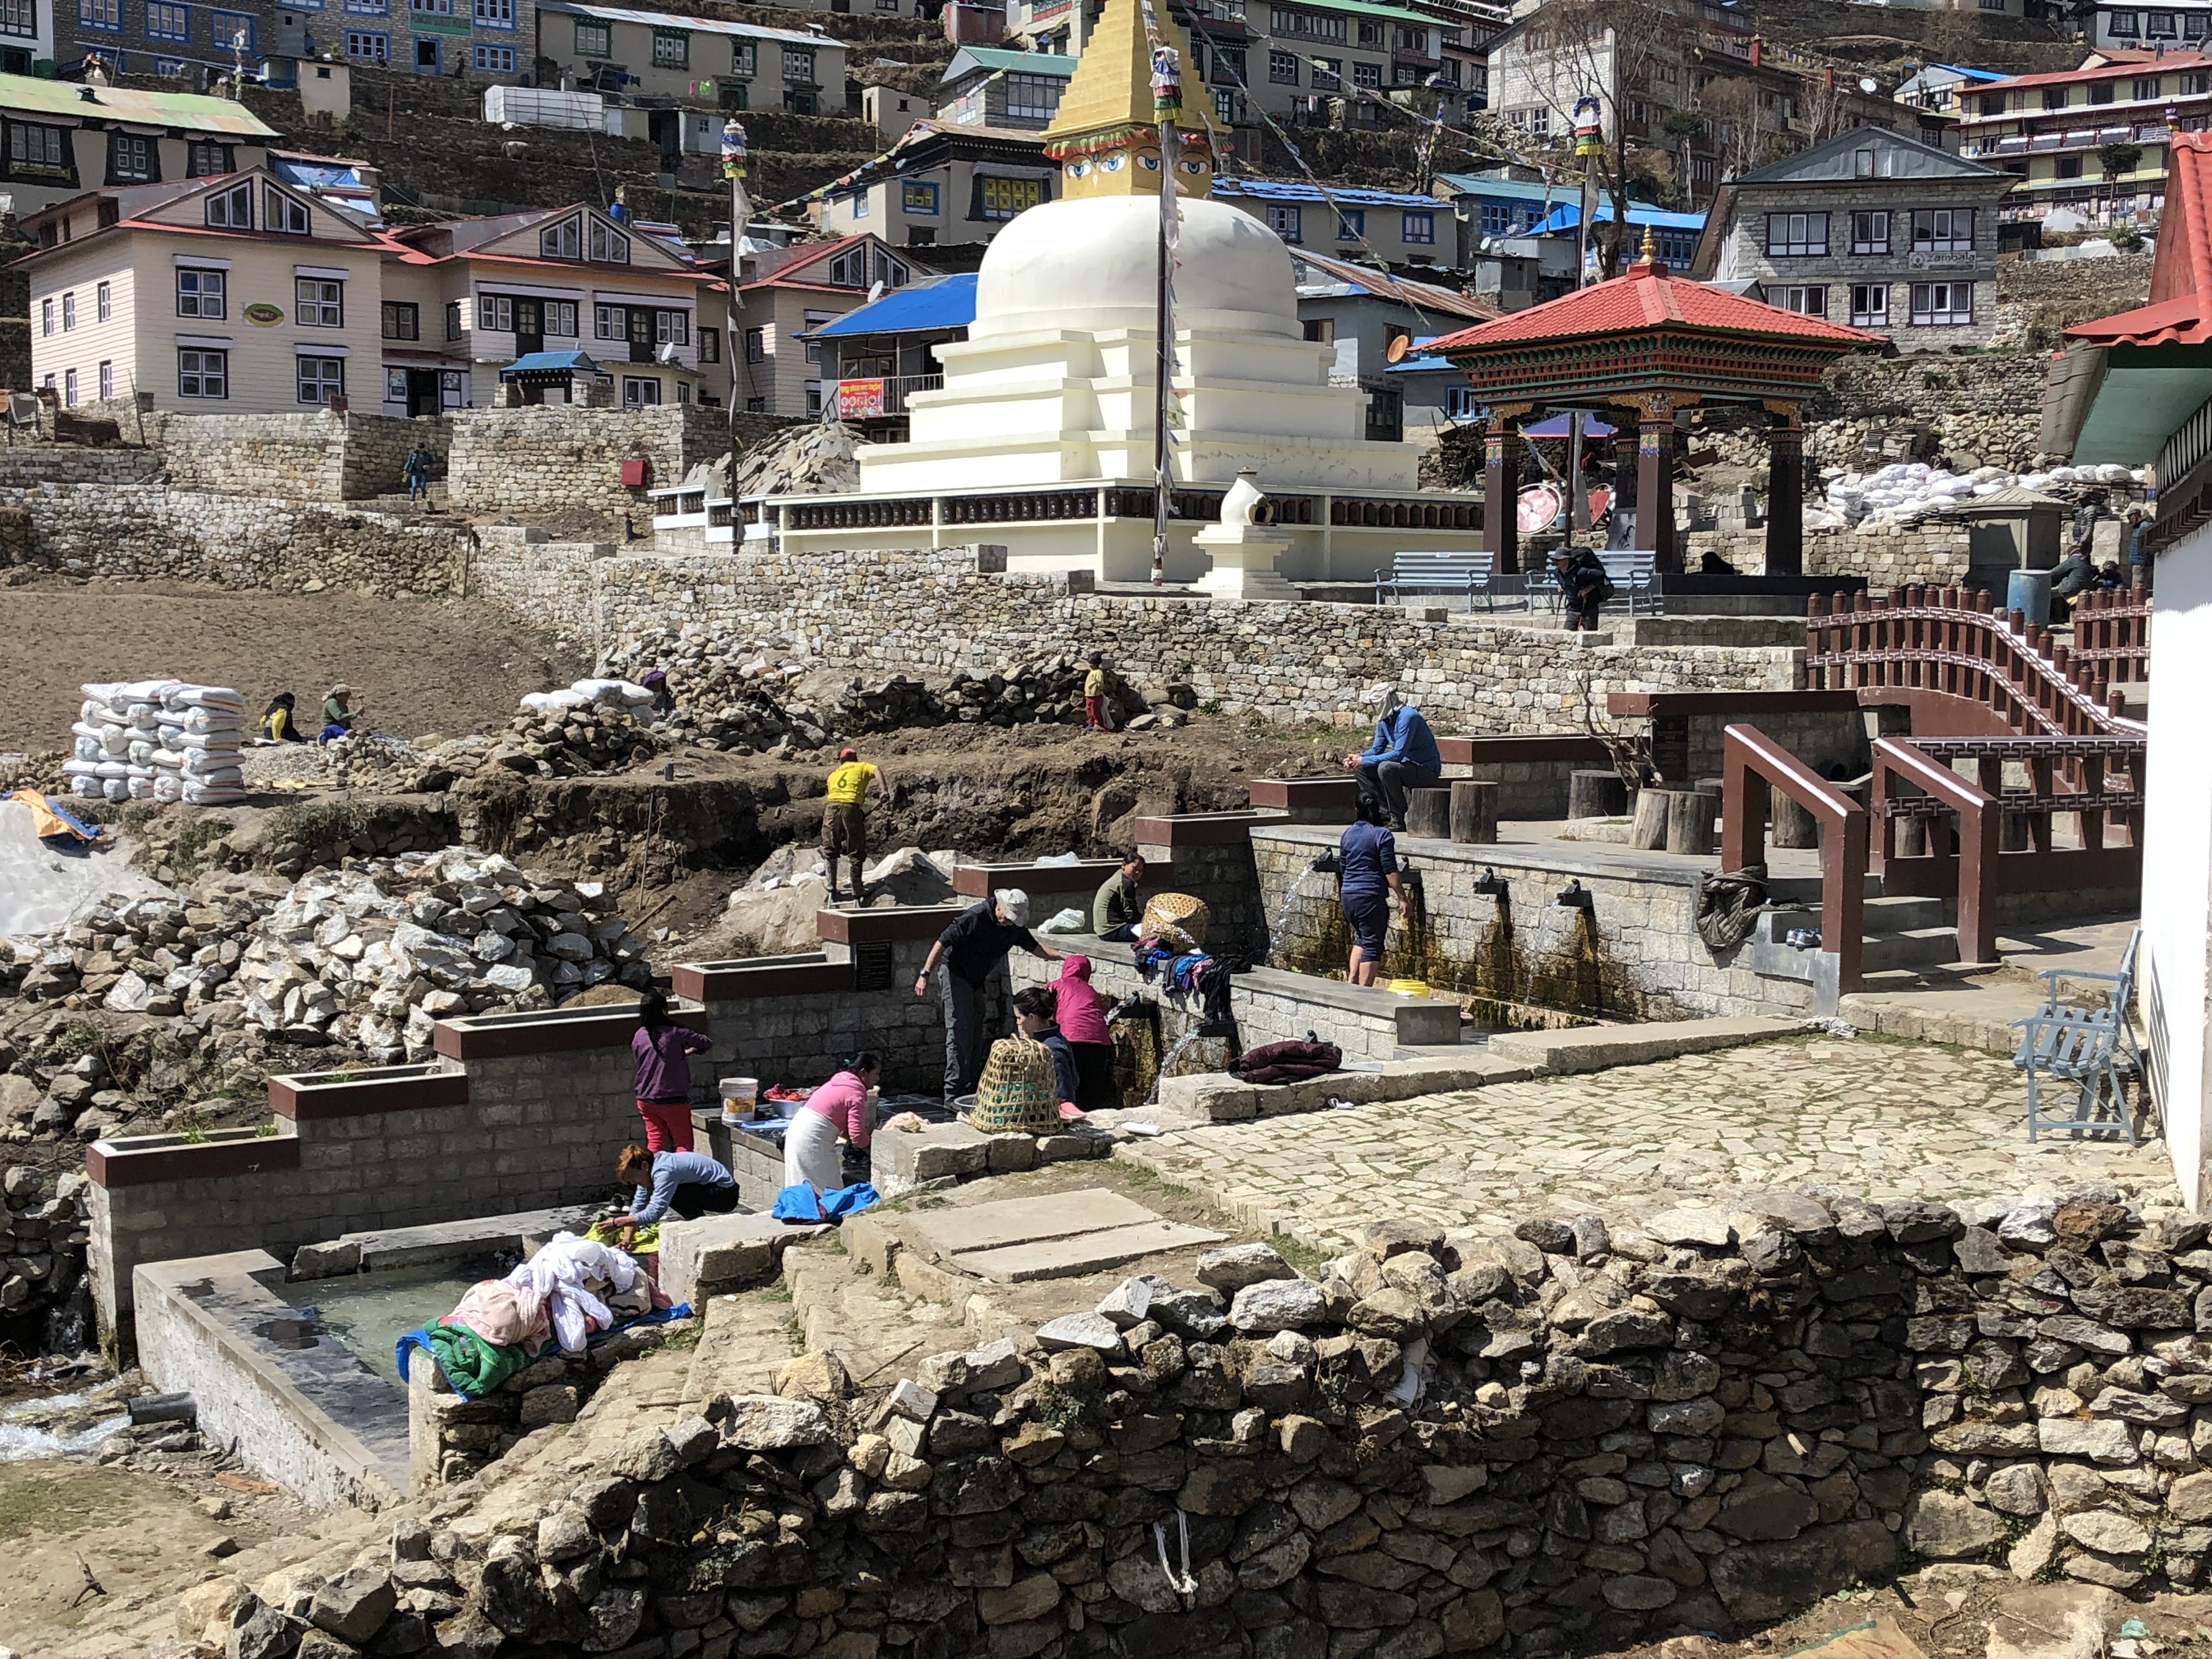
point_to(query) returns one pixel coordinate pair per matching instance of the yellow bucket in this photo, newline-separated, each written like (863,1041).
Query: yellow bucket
(1409,988)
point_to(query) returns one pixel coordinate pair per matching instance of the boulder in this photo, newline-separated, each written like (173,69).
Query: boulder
(1278,1304)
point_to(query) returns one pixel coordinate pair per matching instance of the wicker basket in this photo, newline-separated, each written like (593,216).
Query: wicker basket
(1177,920)
(1020,1090)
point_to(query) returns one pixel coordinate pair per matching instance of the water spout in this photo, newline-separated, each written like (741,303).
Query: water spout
(1323,863)
(1492,884)
(1575,897)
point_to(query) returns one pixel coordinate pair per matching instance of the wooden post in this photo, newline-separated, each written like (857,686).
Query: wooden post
(1785,491)
(1655,481)
(1428,813)
(1594,794)
(1689,823)
(1649,831)
(1501,491)
(1475,811)
(1793,825)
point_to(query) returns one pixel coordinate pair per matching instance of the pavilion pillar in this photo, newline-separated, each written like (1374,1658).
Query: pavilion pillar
(1785,490)
(1655,447)
(1501,488)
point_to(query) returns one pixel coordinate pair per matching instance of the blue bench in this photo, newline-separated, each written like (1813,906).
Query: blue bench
(2092,1050)
(1439,572)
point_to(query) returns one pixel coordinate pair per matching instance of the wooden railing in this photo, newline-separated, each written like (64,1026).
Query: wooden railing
(1949,643)
(2097,780)
(1749,754)
(2112,633)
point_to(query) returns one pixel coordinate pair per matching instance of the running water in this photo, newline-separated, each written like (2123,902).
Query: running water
(55,1426)
(1283,911)
(1167,1063)
(1537,946)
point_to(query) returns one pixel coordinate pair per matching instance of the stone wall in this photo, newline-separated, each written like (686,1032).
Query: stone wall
(933,613)
(2058,294)
(233,541)
(1934,553)
(1984,409)
(315,456)
(1578,1436)
(535,462)
(530,574)
(1636,955)
(23,465)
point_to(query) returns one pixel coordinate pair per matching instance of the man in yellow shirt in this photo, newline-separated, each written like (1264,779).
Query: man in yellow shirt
(845,819)
(1094,696)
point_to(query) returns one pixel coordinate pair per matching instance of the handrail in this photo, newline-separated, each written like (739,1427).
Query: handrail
(1747,752)
(2111,633)
(1978,835)
(1956,644)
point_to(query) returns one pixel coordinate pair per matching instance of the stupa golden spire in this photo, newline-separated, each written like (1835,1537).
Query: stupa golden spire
(1105,135)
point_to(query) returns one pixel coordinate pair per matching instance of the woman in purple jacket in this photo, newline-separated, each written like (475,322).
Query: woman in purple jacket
(664,1051)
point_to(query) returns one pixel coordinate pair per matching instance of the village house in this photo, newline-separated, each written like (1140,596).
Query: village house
(788,295)
(697,63)
(946,184)
(1871,229)
(65,139)
(241,294)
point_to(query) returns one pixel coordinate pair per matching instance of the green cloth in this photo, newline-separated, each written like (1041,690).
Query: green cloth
(335,714)
(1116,905)
(647,1242)
(474,1366)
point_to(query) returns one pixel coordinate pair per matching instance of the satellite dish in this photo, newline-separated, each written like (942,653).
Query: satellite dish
(1396,351)
(1866,84)
(666,354)
(875,290)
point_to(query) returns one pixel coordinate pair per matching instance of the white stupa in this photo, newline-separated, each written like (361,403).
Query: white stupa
(1054,388)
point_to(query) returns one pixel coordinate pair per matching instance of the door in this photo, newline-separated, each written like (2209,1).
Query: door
(640,334)
(529,327)
(426,53)
(421,392)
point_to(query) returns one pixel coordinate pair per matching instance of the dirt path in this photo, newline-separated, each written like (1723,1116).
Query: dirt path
(416,666)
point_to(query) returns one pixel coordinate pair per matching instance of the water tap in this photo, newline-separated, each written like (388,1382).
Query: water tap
(1575,897)
(1492,883)
(1326,864)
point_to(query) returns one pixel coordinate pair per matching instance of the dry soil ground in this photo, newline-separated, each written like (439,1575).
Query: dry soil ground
(416,666)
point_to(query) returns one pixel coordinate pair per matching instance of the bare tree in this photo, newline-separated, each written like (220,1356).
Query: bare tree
(1608,50)
(1731,110)
(1824,104)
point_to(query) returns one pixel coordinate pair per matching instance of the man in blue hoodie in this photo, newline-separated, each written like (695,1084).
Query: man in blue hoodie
(1402,756)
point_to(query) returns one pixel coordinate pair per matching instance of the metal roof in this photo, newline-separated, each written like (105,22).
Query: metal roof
(661,20)
(1283,190)
(948,302)
(995,58)
(187,110)
(1516,190)
(1570,216)
(551,362)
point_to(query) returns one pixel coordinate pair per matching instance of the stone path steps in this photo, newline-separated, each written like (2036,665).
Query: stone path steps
(871,1327)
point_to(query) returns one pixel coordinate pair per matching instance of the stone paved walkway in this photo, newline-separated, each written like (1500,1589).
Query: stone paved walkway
(1880,1120)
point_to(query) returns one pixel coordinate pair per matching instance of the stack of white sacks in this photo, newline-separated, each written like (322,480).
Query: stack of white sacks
(630,699)
(1907,491)
(159,740)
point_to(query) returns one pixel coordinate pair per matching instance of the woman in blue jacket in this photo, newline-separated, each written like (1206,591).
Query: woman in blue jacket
(1402,756)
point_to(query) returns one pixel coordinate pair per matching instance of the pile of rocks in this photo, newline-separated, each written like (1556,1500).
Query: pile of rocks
(42,1239)
(568,743)
(371,954)
(376,953)
(1047,692)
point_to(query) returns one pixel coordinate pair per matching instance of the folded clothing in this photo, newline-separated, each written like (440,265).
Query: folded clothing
(474,1366)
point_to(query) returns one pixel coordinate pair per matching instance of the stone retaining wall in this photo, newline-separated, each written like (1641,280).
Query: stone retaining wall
(534,462)
(1936,554)
(233,541)
(1578,1436)
(2060,292)
(933,613)
(316,456)
(25,464)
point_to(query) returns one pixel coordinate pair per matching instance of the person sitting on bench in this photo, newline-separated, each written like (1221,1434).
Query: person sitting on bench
(1403,755)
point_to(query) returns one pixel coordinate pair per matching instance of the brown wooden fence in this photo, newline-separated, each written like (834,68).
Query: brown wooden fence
(1953,643)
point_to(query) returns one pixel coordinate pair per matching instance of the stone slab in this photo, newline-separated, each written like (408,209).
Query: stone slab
(1595,1048)
(718,1254)
(442,1241)
(965,1228)
(899,1161)
(1084,1253)
(1217,1097)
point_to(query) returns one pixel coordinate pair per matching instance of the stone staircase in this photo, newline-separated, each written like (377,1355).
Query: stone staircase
(1898,933)
(400,505)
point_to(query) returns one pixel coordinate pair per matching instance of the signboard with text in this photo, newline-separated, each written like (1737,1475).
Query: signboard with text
(860,400)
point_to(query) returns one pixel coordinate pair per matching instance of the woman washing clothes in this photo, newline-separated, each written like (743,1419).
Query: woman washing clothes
(1366,881)
(1082,1021)
(664,1051)
(837,1110)
(686,1185)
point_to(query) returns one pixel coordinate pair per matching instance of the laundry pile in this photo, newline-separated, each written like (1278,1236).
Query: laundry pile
(159,739)
(1903,492)
(569,1294)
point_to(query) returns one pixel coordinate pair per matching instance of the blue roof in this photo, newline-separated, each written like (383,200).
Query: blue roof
(1971,73)
(1567,218)
(1418,366)
(1281,190)
(947,302)
(544,361)
(1510,190)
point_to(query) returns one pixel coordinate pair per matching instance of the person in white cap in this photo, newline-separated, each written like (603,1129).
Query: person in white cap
(962,960)
(1402,756)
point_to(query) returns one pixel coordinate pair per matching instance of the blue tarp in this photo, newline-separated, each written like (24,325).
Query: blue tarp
(949,302)
(1566,217)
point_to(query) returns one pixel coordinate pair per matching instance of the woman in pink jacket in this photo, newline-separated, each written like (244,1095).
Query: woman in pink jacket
(1082,1021)
(837,1110)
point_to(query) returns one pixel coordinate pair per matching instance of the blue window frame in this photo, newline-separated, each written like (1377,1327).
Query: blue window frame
(105,16)
(1497,218)
(1350,224)
(165,22)
(367,48)
(429,54)
(1420,226)
(919,198)
(495,14)
(370,8)
(168,66)
(225,26)
(494,60)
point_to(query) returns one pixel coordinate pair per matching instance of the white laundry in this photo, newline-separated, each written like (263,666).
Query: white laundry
(558,1275)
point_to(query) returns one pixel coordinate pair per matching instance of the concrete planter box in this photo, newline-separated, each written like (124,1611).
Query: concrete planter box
(315,1095)
(145,1160)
